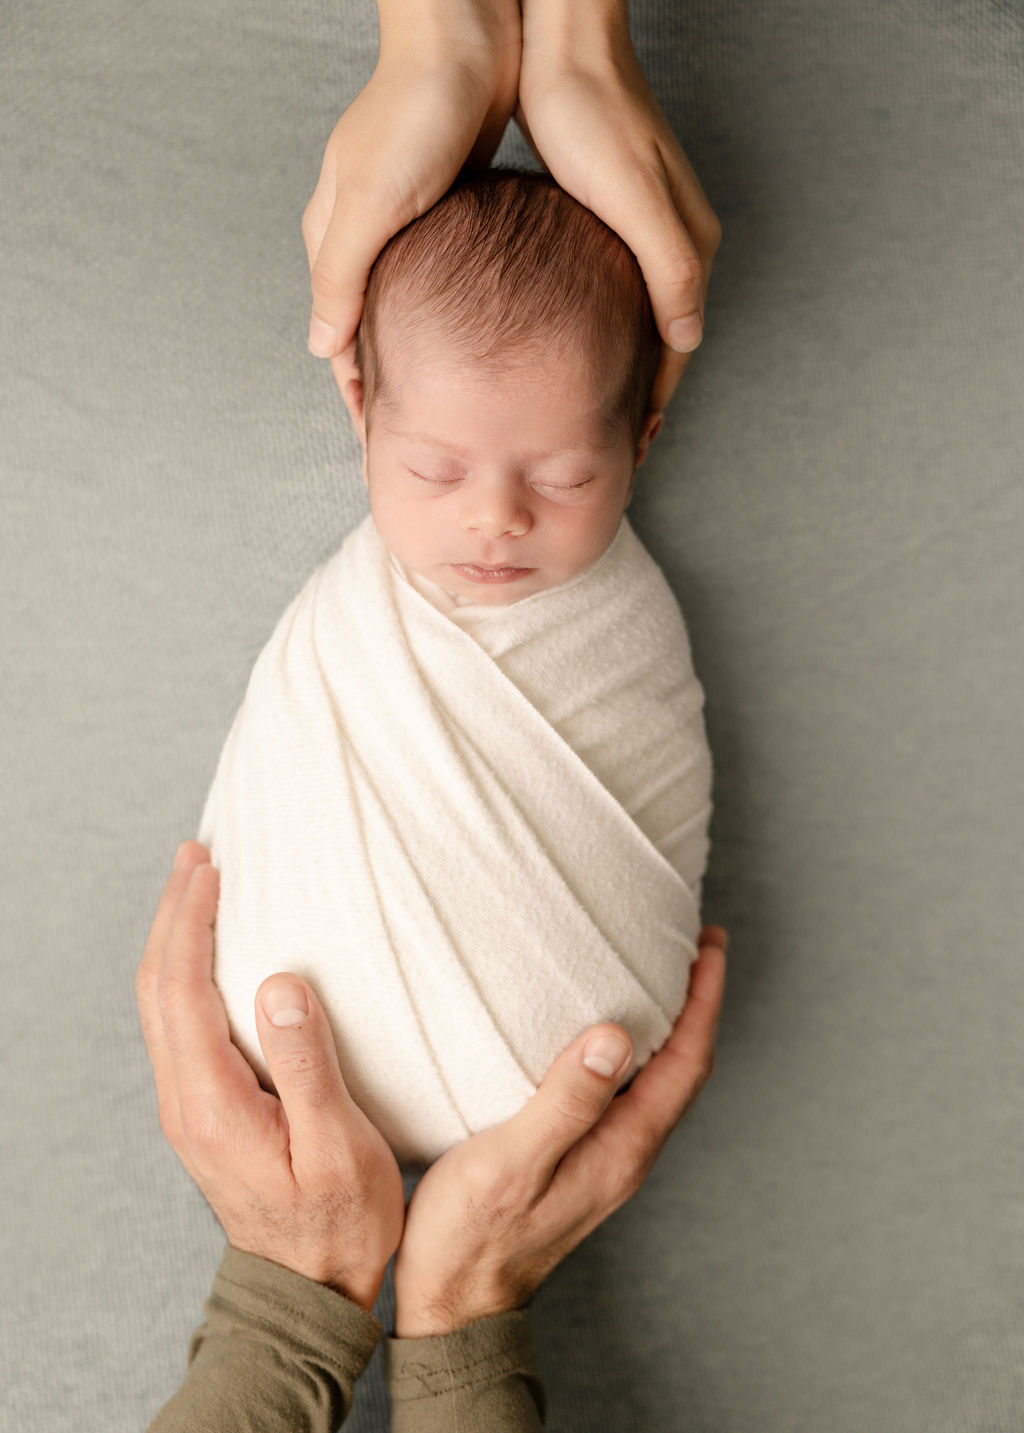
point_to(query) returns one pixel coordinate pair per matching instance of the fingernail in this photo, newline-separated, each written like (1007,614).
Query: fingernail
(606,1055)
(323,339)
(179,856)
(685,334)
(286,1005)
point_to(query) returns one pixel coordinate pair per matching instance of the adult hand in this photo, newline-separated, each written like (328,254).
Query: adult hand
(302,1178)
(590,116)
(490,1220)
(442,93)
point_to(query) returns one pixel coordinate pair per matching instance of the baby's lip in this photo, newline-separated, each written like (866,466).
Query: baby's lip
(479,572)
(496,566)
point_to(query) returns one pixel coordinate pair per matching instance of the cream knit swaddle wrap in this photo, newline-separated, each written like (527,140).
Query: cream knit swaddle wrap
(471,846)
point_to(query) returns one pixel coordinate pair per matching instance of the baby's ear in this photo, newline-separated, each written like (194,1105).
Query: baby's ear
(350,384)
(652,427)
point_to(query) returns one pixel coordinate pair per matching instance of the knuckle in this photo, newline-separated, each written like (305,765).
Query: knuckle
(171,998)
(145,985)
(489,1186)
(574,1107)
(324,282)
(713,233)
(700,1074)
(478,1173)
(687,274)
(618,1182)
(317,213)
(636,1164)
(633,1180)
(632,1176)
(515,1192)
(306,1070)
(329,270)
(197,1128)
(169,1122)
(324,294)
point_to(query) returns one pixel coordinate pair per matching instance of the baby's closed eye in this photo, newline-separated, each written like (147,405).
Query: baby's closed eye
(565,487)
(435,482)
(544,486)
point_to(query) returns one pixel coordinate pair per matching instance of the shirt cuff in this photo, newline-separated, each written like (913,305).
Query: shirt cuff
(277,1351)
(486,1371)
(323,1320)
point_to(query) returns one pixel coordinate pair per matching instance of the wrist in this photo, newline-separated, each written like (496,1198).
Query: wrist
(424,1310)
(574,32)
(359,1286)
(448,31)
(433,1320)
(358,1291)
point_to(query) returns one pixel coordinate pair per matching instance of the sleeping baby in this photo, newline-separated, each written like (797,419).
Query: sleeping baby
(467,793)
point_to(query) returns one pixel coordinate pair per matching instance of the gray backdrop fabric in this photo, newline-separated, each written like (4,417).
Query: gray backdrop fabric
(834,1235)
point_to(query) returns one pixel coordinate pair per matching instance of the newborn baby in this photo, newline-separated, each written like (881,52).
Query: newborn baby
(467,793)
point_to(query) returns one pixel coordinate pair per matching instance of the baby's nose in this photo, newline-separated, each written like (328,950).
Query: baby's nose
(497,510)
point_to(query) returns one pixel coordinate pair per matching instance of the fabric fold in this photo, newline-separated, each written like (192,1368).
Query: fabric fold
(473,840)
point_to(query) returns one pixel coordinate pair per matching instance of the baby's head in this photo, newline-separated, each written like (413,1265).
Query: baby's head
(507,354)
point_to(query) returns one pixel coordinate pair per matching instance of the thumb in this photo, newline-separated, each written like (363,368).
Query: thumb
(672,267)
(338,277)
(674,271)
(298,1046)
(570,1100)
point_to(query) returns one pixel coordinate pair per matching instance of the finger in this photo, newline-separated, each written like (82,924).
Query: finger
(569,1101)
(692,206)
(299,1048)
(339,276)
(713,935)
(189,855)
(208,1071)
(344,366)
(317,215)
(361,223)
(672,266)
(607,1167)
(671,1080)
(670,369)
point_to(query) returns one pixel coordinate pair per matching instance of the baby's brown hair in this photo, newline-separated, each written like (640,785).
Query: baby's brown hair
(507,262)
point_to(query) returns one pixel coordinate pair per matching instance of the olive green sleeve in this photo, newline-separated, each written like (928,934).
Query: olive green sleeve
(483,1376)
(278,1353)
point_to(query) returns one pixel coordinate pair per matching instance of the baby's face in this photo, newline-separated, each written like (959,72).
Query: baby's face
(495,486)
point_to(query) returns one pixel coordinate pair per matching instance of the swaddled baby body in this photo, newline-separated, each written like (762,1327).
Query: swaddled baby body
(467,793)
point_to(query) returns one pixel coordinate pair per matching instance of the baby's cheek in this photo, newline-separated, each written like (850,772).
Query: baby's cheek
(588,534)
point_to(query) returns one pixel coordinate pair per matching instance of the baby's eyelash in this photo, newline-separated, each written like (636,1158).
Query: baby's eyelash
(552,487)
(434,482)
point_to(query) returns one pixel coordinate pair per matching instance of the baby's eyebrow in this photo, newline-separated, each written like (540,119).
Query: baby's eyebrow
(433,442)
(430,441)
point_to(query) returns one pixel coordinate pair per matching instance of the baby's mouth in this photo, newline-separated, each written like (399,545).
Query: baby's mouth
(477,572)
